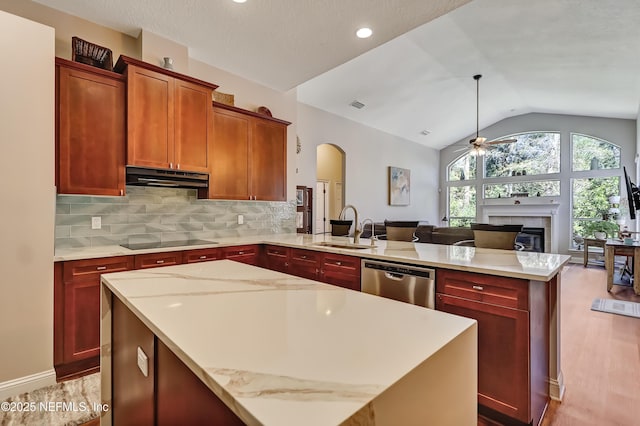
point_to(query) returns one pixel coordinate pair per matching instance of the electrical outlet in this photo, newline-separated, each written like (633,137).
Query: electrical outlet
(240,219)
(96,222)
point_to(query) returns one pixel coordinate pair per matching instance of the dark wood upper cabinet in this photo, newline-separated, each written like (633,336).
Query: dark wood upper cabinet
(90,124)
(169,117)
(248,155)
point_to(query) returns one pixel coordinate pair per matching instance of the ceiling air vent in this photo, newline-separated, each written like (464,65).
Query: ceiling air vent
(357,104)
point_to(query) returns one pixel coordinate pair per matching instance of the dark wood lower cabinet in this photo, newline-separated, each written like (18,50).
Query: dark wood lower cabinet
(77,290)
(182,398)
(76,319)
(132,399)
(513,348)
(330,268)
(170,393)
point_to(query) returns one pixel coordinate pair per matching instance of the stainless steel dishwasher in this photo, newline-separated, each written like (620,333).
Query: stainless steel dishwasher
(406,283)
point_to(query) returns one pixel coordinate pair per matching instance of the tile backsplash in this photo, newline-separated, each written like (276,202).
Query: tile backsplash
(159,214)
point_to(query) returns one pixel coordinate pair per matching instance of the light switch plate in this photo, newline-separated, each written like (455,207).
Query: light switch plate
(143,362)
(240,219)
(96,222)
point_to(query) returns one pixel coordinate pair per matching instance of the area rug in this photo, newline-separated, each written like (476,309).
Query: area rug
(72,402)
(620,307)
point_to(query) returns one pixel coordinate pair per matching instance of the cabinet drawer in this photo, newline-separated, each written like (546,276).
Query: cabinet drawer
(244,254)
(349,265)
(201,255)
(92,268)
(501,291)
(153,260)
(276,258)
(305,256)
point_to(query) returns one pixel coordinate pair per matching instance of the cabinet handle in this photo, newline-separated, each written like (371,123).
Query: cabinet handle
(121,192)
(339,263)
(159,262)
(203,257)
(478,287)
(171,165)
(178,166)
(101,268)
(240,252)
(303,257)
(286,264)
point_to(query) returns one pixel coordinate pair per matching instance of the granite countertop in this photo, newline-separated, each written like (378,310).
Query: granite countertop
(516,264)
(284,350)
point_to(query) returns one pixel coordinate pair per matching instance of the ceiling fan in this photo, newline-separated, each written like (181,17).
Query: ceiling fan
(479,145)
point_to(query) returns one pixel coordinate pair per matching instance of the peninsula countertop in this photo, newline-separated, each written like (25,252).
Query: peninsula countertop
(508,263)
(283,350)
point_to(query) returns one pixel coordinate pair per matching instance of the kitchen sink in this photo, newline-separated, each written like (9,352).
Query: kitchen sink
(344,245)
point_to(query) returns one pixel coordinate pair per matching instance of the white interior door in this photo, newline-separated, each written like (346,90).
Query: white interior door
(322,207)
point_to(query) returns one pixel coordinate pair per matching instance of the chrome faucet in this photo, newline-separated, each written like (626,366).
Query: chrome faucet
(373,230)
(356,231)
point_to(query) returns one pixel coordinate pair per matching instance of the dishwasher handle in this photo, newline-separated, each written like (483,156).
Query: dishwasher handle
(394,276)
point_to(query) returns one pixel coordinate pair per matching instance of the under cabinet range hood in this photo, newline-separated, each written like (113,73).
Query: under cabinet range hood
(166,178)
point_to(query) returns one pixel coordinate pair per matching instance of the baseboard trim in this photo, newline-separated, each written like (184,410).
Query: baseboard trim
(27,384)
(556,388)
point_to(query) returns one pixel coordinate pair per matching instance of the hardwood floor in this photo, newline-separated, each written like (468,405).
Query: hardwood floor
(600,355)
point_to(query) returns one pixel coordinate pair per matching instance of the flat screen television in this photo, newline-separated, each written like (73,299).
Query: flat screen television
(633,195)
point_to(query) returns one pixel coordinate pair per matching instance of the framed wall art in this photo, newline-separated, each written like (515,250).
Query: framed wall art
(399,186)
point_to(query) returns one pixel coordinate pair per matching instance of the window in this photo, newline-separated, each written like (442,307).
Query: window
(540,188)
(591,201)
(462,205)
(532,154)
(464,168)
(591,153)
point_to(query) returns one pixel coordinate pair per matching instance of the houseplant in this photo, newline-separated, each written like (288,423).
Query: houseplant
(600,229)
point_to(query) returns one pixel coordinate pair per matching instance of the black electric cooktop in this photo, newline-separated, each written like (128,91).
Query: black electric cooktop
(161,244)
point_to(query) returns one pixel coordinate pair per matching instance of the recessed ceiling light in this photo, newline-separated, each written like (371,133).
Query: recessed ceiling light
(239,1)
(364,32)
(425,132)
(357,104)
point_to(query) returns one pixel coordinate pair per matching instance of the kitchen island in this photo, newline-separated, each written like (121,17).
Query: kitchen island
(277,349)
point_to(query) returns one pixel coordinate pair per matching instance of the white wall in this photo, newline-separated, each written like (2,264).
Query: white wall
(618,131)
(369,153)
(27,209)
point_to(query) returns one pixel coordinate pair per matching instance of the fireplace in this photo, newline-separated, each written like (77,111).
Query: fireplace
(532,239)
(533,214)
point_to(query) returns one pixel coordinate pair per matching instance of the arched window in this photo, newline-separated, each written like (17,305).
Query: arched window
(464,168)
(589,153)
(535,153)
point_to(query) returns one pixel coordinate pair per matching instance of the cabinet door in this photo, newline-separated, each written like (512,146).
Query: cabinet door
(76,328)
(268,166)
(343,271)
(91,133)
(153,260)
(81,319)
(276,258)
(503,354)
(150,127)
(182,398)
(305,263)
(132,391)
(193,122)
(229,172)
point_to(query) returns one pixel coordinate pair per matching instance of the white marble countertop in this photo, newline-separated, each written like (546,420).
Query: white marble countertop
(283,350)
(508,263)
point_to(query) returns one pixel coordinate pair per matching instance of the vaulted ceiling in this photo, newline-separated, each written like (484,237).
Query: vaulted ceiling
(415,73)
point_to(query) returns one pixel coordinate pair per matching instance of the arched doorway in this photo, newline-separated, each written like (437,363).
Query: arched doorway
(330,185)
